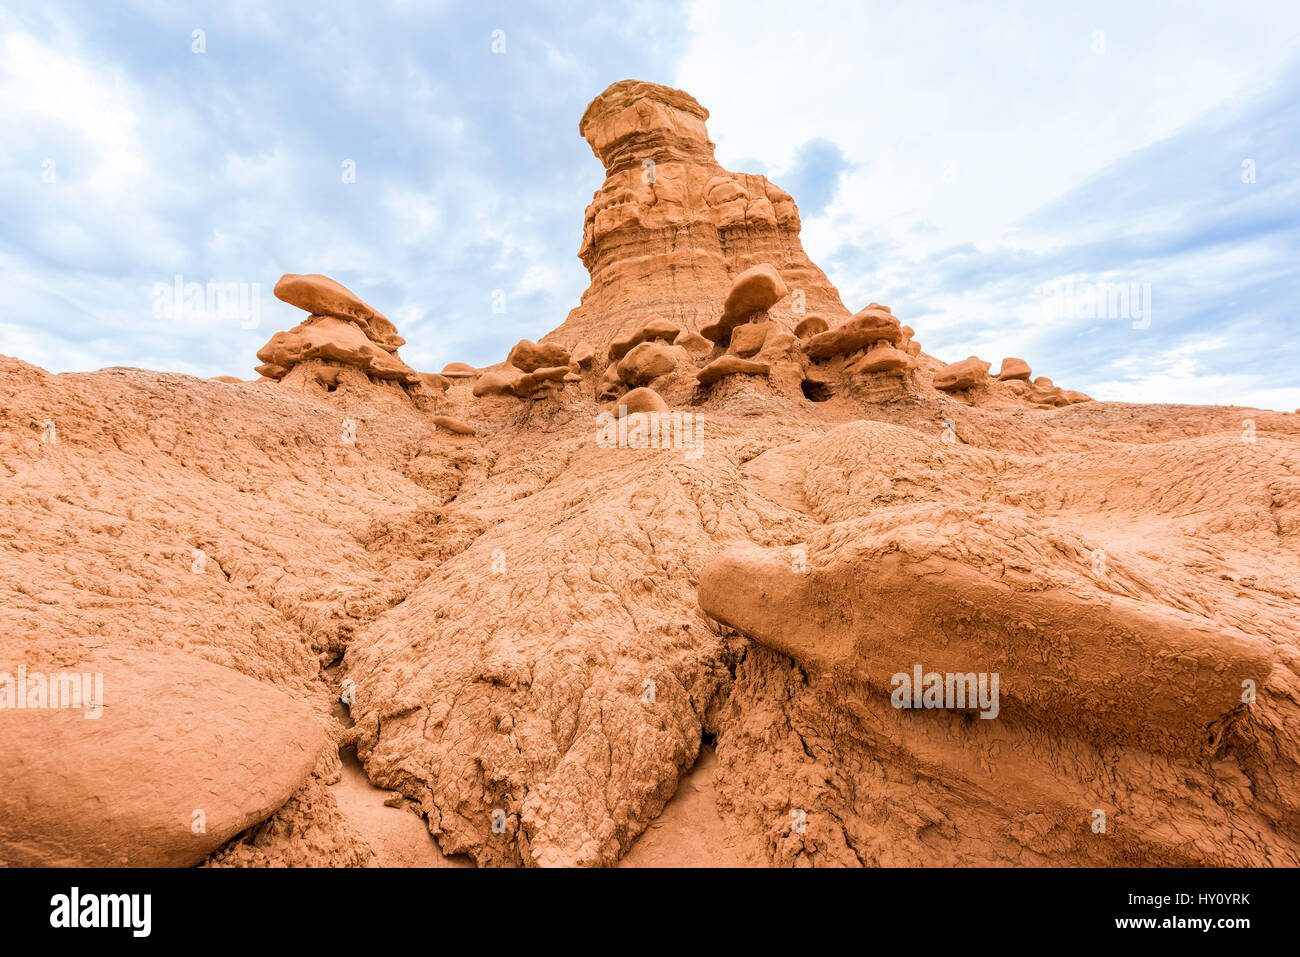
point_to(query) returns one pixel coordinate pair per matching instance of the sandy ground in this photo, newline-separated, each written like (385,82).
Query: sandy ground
(398,836)
(690,832)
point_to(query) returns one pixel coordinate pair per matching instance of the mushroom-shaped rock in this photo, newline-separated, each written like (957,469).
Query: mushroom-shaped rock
(323,296)
(1014,369)
(1074,397)
(529,356)
(882,359)
(583,354)
(755,290)
(659,328)
(642,400)
(961,375)
(646,361)
(724,366)
(747,339)
(452,424)
(864,329)
(176,734)
(653,328)
(331,340)
(459,370)
(532,383)
(810,326)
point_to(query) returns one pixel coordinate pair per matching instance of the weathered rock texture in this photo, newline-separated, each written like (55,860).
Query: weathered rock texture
(670,229)
(533,624)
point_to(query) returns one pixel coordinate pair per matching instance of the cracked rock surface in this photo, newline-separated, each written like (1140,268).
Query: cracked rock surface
(529,632)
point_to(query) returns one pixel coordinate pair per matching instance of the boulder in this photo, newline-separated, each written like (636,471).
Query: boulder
(724,366)
(882,359)
(331,340)
(642,400)
(179,741)
(528,356)
(452,424)
(653,328)
(1014,369)
(322,296)
(747,339)
(531,384)
(459,370)
(755,290)
(866,328)
(961,375)
(495,383)
(694,343)
(646,361)
(610,384)
(810,326)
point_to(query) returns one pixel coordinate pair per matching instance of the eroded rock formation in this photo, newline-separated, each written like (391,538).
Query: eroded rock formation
(527,625)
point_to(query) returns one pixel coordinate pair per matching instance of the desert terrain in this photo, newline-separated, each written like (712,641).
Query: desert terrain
(642,592)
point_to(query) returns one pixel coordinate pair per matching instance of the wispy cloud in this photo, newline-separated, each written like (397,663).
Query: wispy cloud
(950,162)
(136,158)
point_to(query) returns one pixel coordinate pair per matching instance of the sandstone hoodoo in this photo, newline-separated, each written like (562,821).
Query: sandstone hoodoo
(752,294)
(648,331)
(724,366)
(882,358)
(966,374)
(944,616)
(667,208)
(865,329)
(322,296)
(529,356)
(342,332)
(1014,369)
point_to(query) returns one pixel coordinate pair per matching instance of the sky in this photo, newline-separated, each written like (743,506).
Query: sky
(1110,191)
